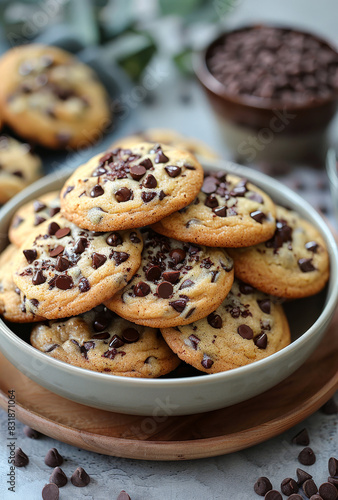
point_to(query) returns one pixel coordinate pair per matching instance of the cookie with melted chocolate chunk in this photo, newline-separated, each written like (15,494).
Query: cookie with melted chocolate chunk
(246,327)
(228,212)
(64,270)
(128,188)
(99,340)
(177,283)
(31,215)
(51,98)
(294,263)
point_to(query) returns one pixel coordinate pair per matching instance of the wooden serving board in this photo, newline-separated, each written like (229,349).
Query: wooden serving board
(178,438)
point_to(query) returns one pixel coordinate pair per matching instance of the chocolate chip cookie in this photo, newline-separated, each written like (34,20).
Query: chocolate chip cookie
(127,188)
(49,97)
(294,263)
(228,212)
(64,270)
(18,167)
(246,327)
(99,340)
(31,215)
(12,308)
(169,137)
(177,283)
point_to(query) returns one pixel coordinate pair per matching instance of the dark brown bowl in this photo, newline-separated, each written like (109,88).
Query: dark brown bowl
(257,112)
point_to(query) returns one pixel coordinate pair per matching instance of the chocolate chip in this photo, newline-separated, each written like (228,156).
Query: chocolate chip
(150,181)
(38,278)
(20,458)
(171,276)
(264,305)
(220,212)
(64,282)
(53,228)
(207,362)
(97,191)
(211,201)
(53,458)
(141,289)
(209,185)
(238,191)
(330,407)
(147,197)
(39,220)
(255,197)
(172,170)
(80,478)
(123,496)
(215,320)
(17,220)
(98,260)
(309,487)
(38,206)
(134,238)
(258,216)
(162,195)
(53,211)
(179,304)
(84,285)
(246,289)
(101,336)
(289,486)
(194,340)
(99,171)
(56,251)
(302,476)
(62,264)
(80,245)
(68,190)
(30,255)
(114,239)
(261,341)
(116,342)
(153,273)
(333,480)
(123,194)
(34,302)
(312,246)
(295,496)
(306,265)
(333,466)
(161,157)
(119,257)
(137,171)
(186,284)
(58,477)
(273,495)
(262,486)
(31,433)
(61,233)
(328,491)
(130,335)
(147,163)
(177,255)
(307,456)
(164,289)
(245,332)
(52,347)
(50,492)
(302,438)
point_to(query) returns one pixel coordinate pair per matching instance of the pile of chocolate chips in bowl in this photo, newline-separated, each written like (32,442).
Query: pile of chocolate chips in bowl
(276,64)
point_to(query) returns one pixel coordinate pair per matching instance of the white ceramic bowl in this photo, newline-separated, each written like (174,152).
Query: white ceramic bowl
(308,319)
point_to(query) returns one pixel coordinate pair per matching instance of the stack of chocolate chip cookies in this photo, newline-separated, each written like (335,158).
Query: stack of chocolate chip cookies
(143,261)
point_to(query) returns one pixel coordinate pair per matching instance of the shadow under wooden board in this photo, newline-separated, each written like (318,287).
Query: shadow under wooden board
(178,438)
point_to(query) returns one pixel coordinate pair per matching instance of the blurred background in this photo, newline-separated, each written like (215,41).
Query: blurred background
(143,51)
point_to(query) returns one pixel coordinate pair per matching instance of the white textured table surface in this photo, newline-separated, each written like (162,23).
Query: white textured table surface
(226,477)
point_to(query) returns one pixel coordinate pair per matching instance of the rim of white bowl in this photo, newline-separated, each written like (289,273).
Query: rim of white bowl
(276,190)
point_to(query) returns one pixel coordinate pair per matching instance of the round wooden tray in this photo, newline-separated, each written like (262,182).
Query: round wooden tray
(178,438)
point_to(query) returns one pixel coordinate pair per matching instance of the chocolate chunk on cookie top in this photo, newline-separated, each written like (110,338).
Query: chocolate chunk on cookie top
(99,340)
(127,188)
(237,333)
(228,212)
(51,98)
(64,270)
(177,283)
(294,263)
